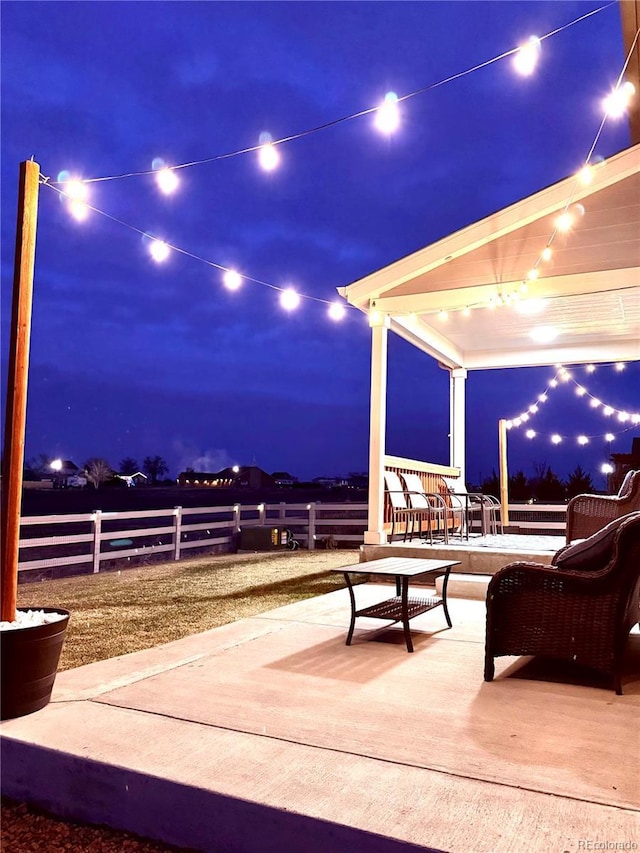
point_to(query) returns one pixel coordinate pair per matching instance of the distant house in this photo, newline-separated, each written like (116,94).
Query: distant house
(329,482)
(283,478)
(238,477)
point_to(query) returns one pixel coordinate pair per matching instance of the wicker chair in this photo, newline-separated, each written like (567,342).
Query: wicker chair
(573,614)
(588,513)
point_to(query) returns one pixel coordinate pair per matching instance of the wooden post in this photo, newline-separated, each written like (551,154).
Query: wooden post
(504,472)
(16,411)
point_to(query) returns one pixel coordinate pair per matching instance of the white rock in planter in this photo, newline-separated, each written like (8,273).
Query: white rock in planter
(31,619)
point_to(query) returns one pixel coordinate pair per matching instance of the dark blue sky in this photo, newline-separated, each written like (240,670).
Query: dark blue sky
(131,358)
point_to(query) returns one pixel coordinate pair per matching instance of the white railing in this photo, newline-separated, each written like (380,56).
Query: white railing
(99,537)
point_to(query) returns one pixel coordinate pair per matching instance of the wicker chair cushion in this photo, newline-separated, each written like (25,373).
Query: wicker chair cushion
(589,555)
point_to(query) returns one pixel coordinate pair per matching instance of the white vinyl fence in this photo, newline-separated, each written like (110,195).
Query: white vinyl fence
(49,541)
(92,539)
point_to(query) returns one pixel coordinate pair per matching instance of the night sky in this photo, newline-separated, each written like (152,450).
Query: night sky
(134,358)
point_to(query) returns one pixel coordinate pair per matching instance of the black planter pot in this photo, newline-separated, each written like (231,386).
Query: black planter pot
(28,664)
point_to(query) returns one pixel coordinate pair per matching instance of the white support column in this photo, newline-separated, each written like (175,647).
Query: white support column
(457,421)
(375,534)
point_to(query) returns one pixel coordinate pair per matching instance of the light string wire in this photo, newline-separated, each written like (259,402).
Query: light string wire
(46,183)
(56,185)
(343,119)
(562,376)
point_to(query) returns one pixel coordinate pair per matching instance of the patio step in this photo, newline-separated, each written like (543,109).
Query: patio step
(465,586)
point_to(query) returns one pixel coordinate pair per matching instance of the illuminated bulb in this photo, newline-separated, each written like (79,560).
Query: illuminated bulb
(530,433)
(623,416)
(337,311)
(607,468)
(524,418)
(607,411)
(585,175)
(582,439)
(387,116)
(553,383)
(556,439)
(466,311)
(79,210)
(580,391)
(269,157)
(289,299)
(167,181)
(617,101)
(546,254)
(56,465)
(232,280)
(609,436)
(565,376)
(635,418)
(564,222)
(533,409)
(76,193)
(595,402)
(443,316)
(620,366)
(543,398)
(591,368)
(526,59)
(159,251)
(533,274)
(508,424)
(517,422)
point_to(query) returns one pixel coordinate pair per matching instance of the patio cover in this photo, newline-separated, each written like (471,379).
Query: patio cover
(589,292)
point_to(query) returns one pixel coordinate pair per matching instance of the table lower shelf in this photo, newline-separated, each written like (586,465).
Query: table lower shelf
(392,608)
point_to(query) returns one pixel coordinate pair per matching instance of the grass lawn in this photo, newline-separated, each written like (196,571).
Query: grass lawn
(117,612)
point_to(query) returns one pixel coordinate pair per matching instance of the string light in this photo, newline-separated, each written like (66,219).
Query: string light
(387,117)
(167,181)
(563,374)
(289,299)
(159,251)
(232,280)
(527,56)
(617,102)
(337,311)
(268,155)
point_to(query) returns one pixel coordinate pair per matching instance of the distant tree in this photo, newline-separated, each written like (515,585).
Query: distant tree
(579,483)
(519,487)
(97,471)
(155,467)
(39,464)
(550,487)
(129,465)
(491,485)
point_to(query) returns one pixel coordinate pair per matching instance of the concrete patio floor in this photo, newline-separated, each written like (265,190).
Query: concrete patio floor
(269,734)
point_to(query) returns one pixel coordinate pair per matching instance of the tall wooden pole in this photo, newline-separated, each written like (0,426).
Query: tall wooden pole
(16,410)
(504,472)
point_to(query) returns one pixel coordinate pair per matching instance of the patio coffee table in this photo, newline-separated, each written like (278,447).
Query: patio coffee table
(401,607)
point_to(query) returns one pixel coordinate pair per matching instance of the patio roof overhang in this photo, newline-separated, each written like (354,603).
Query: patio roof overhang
(589,291)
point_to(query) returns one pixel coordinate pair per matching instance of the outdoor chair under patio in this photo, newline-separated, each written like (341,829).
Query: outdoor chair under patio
(470,504)
(403,515)
(437,515)
(587,514)
(581,608)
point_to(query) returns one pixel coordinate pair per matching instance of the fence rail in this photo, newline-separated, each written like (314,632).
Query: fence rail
(99,538)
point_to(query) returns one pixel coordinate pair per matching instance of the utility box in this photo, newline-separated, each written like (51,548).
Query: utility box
(265,539)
